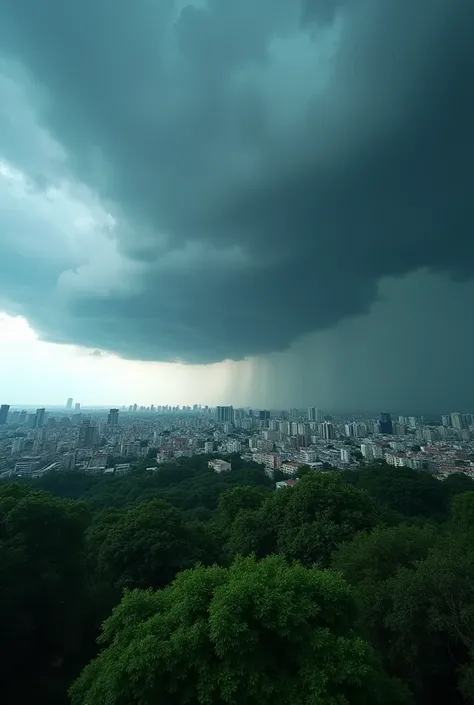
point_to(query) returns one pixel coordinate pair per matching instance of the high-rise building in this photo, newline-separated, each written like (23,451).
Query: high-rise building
(224,414)
(328,431)
(345,455)
(113,417)
(456,421)
(367,450)
(87,434)
(319,415)
(40,418)
(312,413)
(385,423)
(4,409)
(446,420)
(18,445)
(77,406)
(69,403)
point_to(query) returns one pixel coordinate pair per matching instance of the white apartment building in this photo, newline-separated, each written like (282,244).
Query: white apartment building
(367,450)
(345,455)
(271,461)
(290,467)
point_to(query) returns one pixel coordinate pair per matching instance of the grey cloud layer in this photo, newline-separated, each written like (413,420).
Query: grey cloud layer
(268,161)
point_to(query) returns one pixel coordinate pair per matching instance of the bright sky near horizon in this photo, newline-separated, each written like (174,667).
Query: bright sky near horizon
(35,372)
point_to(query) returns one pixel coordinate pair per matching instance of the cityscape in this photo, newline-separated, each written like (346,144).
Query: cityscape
(118,440)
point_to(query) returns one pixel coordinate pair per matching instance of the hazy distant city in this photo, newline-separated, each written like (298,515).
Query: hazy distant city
(118,440)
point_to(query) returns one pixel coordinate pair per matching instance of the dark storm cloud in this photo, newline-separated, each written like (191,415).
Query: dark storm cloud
(268,162)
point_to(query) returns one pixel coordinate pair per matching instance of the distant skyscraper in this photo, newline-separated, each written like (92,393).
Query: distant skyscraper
(77,406)
(224,414)
(385,423)
(69,403)
(319,415)
(311,413)
(446,420)
(456,421)
(328,431)
(40,418)
(87,434)
(4,409)
(113,417)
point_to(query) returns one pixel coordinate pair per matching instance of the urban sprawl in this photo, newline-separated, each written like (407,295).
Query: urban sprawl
(118,440)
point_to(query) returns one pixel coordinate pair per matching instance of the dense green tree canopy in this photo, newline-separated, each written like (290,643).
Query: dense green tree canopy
(147,546)
(41,592)
(71,542)
(462,511)
(259,633)
(306,522)
(409,492)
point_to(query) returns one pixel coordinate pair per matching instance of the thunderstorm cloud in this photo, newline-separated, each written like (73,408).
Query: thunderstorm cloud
(213,180)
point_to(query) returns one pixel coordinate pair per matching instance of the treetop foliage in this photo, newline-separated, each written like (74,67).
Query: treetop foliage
(183,586)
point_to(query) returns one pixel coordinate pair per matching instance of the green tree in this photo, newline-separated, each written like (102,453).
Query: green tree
(462,511)
(42,594)
(458,482)
(232,501)
(146,547)
(404,490)
(371,558)
(429,623)
(311,519)
(259,633)
(305,522)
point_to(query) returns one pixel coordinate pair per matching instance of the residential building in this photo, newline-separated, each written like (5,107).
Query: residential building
(328,431)
(18,445)
(225,414)
(290,467)
(4,409)
(113,417)
(271,461)
(345,455)
(367,450)
(40,418)
(87,434)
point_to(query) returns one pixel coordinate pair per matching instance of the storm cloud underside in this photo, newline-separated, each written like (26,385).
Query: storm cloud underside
(253,169)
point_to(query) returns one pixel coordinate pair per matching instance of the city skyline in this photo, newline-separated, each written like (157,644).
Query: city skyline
(110,442)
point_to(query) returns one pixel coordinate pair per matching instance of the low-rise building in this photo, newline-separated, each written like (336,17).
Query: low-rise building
(291,467)
(285,483)
(219,465)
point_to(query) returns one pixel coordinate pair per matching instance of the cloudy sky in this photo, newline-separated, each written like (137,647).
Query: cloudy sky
(264,202)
